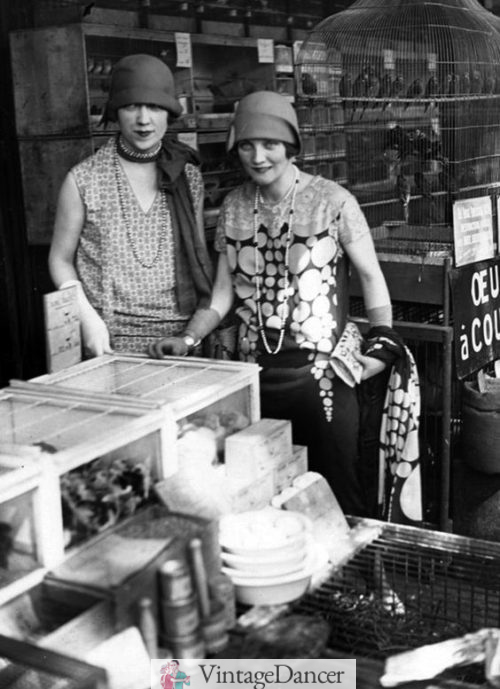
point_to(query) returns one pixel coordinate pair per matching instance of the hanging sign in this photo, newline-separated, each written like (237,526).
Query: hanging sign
(265,49)
(473,230)
(183,46)
(62,329)
(475,293)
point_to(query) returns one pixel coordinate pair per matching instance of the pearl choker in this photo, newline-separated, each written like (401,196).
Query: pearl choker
(128,153)
(286,286)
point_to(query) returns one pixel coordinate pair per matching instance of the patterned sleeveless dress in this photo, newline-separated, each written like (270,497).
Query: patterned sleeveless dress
(125,258)
(298,383)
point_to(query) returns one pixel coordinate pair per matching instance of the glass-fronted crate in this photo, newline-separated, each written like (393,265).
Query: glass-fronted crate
(220,395)
(26,514)
(97,459)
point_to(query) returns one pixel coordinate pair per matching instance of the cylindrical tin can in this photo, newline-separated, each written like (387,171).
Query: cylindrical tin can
(214,629)
(187,646)
(175,581)
(222,590)
(180,617)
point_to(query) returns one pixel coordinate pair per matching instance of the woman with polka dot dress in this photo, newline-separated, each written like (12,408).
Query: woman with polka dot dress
(285,239)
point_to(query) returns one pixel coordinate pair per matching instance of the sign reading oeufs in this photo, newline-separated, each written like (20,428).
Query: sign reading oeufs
(476,313)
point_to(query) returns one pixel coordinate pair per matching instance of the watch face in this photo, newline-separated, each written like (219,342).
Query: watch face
(189,340)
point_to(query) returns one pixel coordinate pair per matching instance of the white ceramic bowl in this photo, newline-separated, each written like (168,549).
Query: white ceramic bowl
(270,565)
(260,533)
(278,589)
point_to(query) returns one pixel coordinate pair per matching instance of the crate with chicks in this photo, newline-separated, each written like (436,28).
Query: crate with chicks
(209,398)
(222,455)
(97,461)
(214,419)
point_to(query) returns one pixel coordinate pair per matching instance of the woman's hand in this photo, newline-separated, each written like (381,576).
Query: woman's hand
(371,366)
(95,334)
(168,346)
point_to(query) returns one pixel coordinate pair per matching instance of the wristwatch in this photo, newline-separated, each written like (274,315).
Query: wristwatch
(189,341)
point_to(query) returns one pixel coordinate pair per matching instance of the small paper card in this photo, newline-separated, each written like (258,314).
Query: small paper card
(343,361)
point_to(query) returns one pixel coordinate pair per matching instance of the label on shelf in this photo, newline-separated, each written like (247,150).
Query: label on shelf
(184,52)
(265,49)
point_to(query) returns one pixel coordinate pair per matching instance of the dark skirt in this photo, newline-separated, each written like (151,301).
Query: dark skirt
(291,392)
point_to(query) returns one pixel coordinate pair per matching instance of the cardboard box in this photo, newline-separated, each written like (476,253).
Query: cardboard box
(257,449)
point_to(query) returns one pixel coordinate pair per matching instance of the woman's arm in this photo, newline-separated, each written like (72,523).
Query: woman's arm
(376,296)
(70,216)
(203,321)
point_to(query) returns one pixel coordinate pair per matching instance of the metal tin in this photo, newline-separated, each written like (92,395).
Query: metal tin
(222,590)
(175,581)
(214,629)
(187,646)
(180,618)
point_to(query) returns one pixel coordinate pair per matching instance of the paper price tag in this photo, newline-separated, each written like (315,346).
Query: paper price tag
(62,329)
(265,49)
(183,46)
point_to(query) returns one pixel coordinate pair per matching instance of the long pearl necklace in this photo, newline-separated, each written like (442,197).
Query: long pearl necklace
(127,221)
(286,287)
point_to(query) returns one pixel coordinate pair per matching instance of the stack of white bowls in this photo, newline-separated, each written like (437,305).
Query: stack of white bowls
(269,554)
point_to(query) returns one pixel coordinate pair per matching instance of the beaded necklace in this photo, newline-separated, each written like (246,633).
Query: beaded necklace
(286,287)
(134,156)
(127,221)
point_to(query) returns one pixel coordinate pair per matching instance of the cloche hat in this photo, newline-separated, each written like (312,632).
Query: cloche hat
(264,115)
(142,79)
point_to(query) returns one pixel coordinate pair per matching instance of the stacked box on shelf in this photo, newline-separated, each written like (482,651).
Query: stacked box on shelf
(262,450)
(82,447)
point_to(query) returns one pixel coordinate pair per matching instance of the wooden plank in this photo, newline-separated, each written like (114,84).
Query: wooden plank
(50,81)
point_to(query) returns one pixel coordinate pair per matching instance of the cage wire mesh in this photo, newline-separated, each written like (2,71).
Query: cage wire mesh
(408,588)
(398,100)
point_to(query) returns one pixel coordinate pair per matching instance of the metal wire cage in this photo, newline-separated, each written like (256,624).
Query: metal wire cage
(398,101)
(407,588)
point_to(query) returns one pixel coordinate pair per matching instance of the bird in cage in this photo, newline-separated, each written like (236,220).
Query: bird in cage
(431,91)
(385,88)
(398,86)
(403,191)
(424,188)
(476,85)
(415,91)
(489,84)
(465,84)
(345,88)
(453,84)
(359,89)
(309,84)
(372,84)
(397,140)
(447,179)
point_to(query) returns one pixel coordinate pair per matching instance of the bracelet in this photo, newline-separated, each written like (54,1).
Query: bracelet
(70,283)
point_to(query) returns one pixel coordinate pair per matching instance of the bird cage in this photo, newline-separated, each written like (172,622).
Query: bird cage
(398,100)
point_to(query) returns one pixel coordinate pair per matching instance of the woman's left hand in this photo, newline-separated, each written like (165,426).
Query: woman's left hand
(371,366)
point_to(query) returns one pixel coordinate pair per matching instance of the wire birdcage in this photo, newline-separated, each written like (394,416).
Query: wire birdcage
(398,101)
